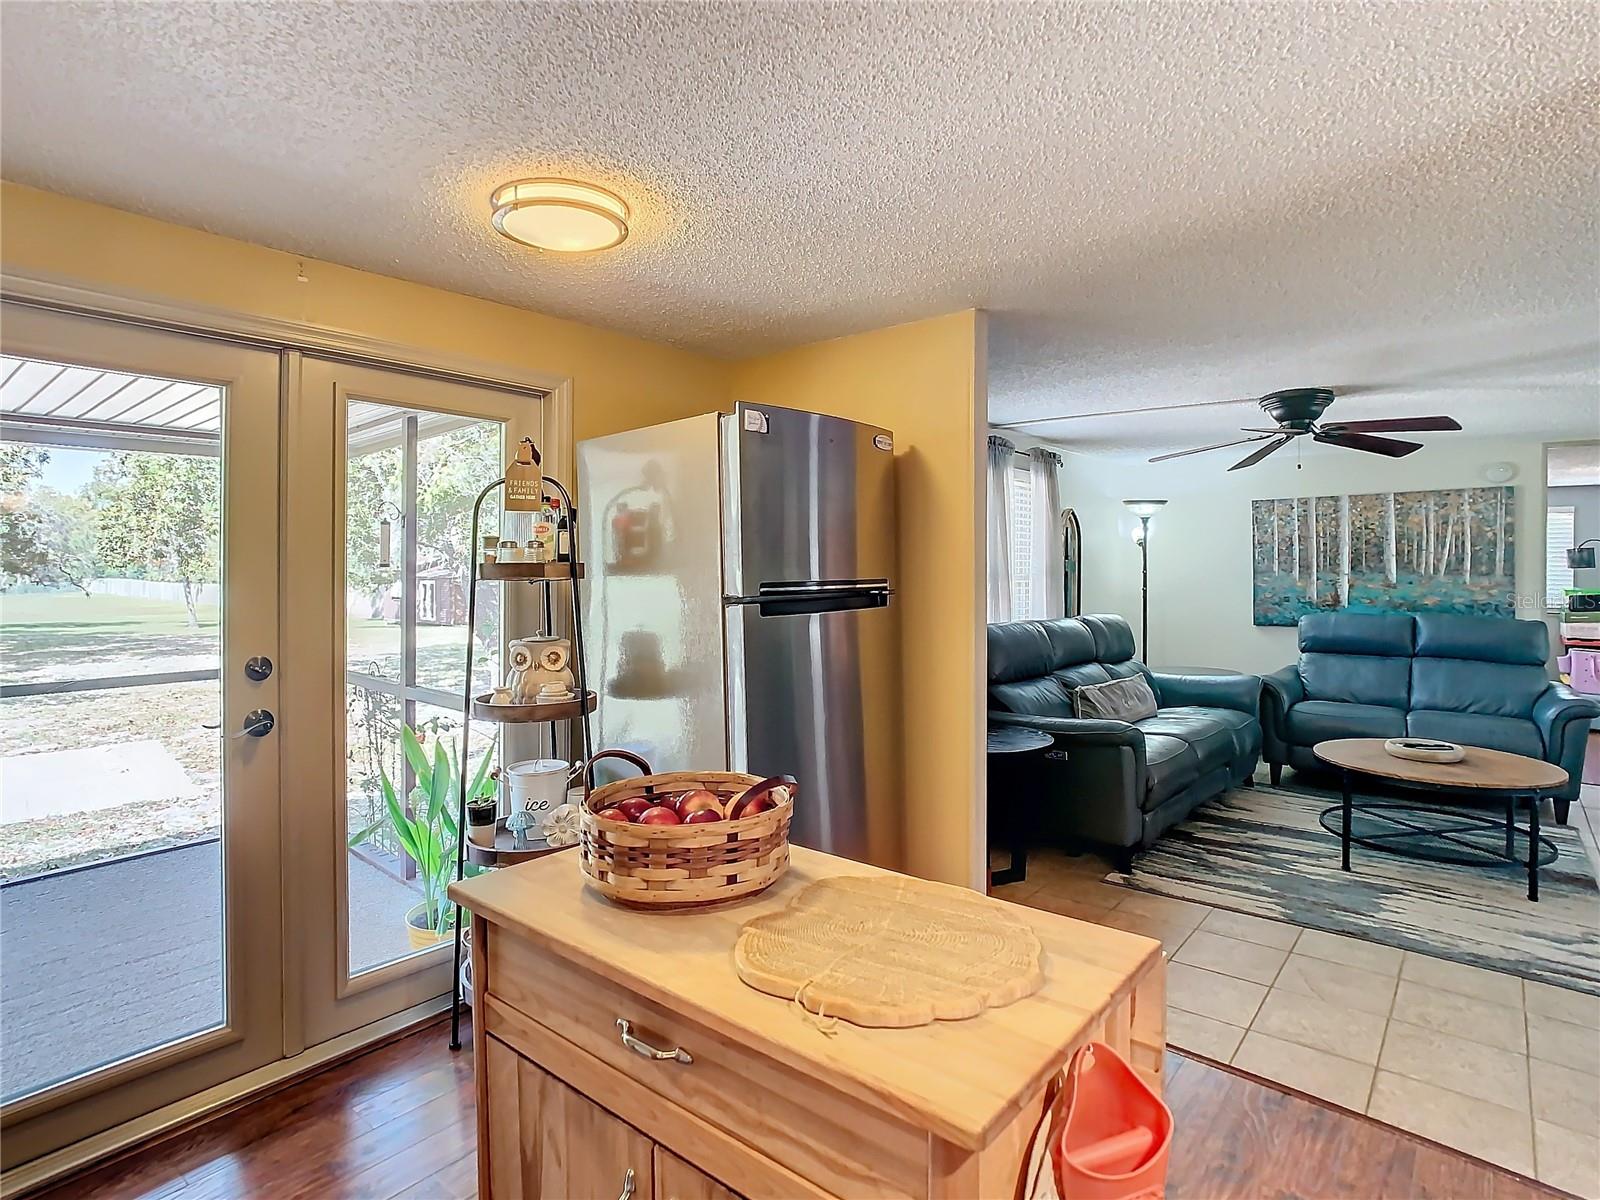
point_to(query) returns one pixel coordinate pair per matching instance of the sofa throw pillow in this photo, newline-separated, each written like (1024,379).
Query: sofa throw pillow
(1118,700)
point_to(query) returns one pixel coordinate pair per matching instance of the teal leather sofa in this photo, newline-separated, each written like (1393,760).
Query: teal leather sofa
(1480,681)
(1119,784)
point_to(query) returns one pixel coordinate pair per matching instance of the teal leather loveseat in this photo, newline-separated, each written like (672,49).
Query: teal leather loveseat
(1479,681)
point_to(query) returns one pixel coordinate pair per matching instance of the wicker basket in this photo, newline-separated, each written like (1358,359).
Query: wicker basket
(683,866)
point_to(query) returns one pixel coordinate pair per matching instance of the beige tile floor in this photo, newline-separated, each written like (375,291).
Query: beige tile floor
(1501,1068)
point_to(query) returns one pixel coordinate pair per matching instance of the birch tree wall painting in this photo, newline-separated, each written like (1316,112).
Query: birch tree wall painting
(1446,551)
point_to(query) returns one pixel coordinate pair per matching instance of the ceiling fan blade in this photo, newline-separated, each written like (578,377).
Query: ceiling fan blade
(1393,425)
(1250,460)
(1392,447)
(1203,449)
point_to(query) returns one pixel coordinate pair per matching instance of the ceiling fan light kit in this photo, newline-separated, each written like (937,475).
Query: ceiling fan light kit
(1296,412)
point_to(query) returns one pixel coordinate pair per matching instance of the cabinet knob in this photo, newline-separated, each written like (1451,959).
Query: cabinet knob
(627,1186)
(646,1050)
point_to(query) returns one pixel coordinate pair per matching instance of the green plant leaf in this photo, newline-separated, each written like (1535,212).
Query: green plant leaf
(402,824)
(481,779)
(357,838)
(417,756)
(442,778)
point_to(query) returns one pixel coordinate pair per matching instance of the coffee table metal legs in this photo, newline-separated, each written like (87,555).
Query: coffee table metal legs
(1344,836)
(1533,847)
(1385,840)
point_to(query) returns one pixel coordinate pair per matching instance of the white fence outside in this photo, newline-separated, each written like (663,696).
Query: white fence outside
(154,589)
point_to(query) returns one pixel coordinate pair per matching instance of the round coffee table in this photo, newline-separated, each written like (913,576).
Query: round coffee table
(1424,832)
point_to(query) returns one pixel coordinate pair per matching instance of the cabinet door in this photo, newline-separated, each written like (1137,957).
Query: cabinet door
(677,1180)
(546,1142)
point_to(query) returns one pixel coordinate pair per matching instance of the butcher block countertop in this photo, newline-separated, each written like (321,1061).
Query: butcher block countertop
(961,1080)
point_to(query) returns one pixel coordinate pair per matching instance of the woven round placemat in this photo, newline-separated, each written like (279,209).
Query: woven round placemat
(889,952)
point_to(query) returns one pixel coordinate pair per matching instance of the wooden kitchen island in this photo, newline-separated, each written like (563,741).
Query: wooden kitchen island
(620,1056)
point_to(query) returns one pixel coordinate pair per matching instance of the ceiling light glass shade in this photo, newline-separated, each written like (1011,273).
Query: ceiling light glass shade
(1144,508)
(560,214)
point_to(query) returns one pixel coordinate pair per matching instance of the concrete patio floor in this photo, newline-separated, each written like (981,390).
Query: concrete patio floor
(112,959)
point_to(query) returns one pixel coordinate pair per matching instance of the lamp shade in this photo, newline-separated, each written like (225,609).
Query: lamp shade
(1580,558)
(1144,508)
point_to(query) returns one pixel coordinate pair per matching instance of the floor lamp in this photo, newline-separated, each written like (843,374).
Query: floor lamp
(1144,510)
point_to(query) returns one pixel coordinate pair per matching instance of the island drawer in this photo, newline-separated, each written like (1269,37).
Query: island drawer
(842,1144)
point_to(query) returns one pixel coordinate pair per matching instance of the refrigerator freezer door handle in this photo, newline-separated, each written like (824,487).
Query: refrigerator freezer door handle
(821,594)
(798,604)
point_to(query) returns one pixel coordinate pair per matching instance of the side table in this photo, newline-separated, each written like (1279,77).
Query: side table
(1015,756)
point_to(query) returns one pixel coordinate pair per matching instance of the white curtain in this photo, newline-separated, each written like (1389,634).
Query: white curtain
(1047,554)
(1001,453)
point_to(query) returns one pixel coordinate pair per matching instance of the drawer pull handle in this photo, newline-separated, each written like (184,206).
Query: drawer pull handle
(646,1050)
(627,1186)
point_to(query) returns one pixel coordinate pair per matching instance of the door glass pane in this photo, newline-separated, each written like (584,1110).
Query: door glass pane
(410,482)
(382,880)
(110,786)
(374,546)
(454,461)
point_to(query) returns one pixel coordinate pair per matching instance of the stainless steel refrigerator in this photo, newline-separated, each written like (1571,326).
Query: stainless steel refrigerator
(739,608)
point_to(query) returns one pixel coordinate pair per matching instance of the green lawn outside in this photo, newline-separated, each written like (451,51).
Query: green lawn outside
(71,631)
(41,616)
(53,636)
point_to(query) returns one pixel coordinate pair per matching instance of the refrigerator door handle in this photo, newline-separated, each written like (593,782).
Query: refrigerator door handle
(811,587)
(803,601)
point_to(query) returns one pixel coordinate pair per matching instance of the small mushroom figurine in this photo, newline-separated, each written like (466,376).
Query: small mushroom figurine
(518,824)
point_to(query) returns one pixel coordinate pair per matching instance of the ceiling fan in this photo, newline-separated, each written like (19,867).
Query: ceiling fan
(1296,411)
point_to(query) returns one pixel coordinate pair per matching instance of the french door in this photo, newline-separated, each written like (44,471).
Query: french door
(381,474)
(140,672)
(232,615)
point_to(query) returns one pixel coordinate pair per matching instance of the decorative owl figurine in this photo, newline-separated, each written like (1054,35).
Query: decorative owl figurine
(539,664)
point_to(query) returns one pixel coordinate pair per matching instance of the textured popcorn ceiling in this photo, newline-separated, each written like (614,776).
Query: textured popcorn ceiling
(1161,205)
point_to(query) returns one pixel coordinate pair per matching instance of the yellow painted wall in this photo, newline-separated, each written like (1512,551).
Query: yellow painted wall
(925,382)
(619,382)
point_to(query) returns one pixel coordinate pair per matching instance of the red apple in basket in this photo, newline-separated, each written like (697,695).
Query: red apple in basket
(636,807)
(699,800)
(703,816)
(659,815)
(759,797)
(613,814)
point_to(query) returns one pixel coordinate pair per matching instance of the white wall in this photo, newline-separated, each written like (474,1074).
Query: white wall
(1200,553)
(1585,501)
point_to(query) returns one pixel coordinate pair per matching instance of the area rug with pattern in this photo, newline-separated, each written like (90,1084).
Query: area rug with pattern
(1262,851)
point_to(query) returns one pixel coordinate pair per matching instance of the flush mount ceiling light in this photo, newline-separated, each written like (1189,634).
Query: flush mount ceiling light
(560,214)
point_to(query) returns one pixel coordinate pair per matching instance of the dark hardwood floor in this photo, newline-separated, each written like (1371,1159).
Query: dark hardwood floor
(398,1123)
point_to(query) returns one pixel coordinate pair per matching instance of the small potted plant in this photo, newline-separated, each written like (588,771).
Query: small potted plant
(482,817)
(426,830)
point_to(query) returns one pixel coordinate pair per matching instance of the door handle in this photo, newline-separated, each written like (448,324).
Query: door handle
(646,1050)
(258,722)
(627,1186)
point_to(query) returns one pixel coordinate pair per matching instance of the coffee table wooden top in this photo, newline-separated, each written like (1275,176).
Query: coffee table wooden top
(1491,770)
